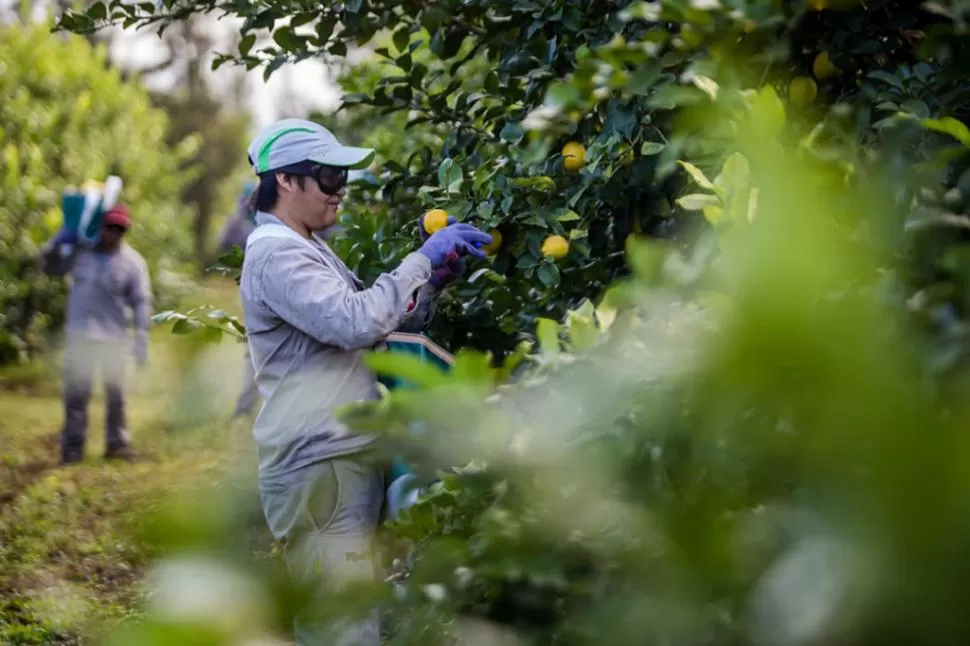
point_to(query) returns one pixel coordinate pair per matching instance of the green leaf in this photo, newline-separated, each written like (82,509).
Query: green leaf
(547,333)
(246,44)
(697,201)
(713,214)
(506,204)
(697,175)
(402,37)
(185,326)
(541,183)
(886,77)
(325,30)
(919,108)
(470,366)
(487,272)
(562,95)
(768,112)
(581,324)
(734,177)
(407,367)
(549,274)
(650,148)
(512,132)
(706,85)
(645,258)
(211,334)
(527,261)
(450,176)
(338,49)
(98,11)
(950,126)
(492,84)
(286,39)
(568,216)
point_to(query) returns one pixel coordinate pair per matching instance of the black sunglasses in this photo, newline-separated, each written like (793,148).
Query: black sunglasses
(330,179)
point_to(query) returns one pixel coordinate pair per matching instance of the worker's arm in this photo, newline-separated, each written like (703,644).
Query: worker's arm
(140,301)
(316,300)
(422,310)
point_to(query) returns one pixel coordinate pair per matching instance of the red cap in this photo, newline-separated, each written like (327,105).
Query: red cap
(118,216)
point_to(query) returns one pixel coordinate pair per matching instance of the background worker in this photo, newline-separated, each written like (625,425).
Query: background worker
(109,293)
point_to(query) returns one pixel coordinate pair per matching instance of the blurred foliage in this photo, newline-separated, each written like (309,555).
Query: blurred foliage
(757,434)
(65,117)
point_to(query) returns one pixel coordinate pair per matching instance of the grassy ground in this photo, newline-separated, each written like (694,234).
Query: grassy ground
(73,540)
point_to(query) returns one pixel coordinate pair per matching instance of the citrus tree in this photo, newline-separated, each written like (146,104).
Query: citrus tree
(68,117)
(739,443)
(468,82)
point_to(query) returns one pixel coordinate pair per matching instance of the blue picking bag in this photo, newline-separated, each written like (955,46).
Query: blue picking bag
(401,493)
(83,209)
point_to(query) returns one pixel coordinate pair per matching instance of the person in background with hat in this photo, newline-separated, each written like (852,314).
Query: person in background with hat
(309,321)
(109,290)
(234,234)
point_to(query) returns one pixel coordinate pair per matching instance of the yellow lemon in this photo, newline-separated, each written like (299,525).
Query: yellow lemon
(818,5)
(822,67)
(555,246)
(496,244)
(435,219)
(802,90)
(574,156)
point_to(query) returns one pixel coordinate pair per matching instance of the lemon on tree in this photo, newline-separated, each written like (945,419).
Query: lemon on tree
(435,219)
(573,156)
(555,246)
(802,90)
(823,68)
(496,243)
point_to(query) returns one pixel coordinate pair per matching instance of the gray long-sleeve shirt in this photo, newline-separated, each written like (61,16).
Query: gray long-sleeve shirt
(309,321)
(108,293)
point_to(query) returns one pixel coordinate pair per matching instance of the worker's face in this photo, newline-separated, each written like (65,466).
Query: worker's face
(111,237)
(316,209)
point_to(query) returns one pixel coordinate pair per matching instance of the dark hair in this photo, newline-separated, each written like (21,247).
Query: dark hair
(267,194)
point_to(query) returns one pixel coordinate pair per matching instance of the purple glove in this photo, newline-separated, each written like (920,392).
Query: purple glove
(453,268)
(460,238)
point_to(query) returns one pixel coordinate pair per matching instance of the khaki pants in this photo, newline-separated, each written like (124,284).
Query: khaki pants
(326,516)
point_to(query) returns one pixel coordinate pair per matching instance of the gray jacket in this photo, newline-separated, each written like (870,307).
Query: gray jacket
(309,321)
(109,292)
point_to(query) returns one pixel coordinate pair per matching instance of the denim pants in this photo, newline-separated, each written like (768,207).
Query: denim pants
(326,516)
(82,359)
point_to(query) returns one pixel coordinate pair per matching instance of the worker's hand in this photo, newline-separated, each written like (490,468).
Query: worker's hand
(141,354)
(460,238)
(65,236)
(453,267)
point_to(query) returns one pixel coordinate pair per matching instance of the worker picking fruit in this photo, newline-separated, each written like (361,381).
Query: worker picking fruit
(309,321)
